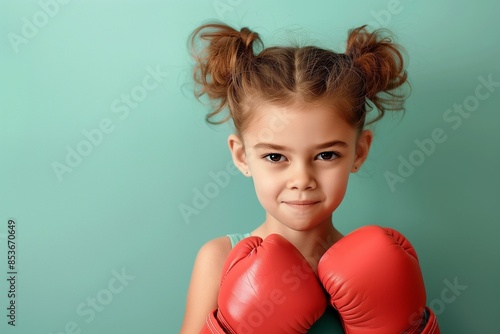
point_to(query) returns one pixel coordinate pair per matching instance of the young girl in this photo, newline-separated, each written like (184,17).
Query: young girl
(300,117)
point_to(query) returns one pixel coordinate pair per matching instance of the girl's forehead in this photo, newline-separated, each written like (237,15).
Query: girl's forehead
(279,117)
(306,122)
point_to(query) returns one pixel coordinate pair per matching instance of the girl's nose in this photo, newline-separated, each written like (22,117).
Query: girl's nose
(301,177)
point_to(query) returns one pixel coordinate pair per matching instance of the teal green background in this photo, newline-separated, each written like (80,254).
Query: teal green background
(119,208)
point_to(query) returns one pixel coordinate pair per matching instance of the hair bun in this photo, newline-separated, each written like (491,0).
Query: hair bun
(248,37)
(220,62)
(381,63)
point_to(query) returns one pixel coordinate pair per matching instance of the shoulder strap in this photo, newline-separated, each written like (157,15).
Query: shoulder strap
(237,237)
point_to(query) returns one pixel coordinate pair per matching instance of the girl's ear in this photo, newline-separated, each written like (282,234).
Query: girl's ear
(238,153)
(362,148)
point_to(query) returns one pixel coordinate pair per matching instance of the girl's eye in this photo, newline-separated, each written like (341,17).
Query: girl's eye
(327,156)
(275,157)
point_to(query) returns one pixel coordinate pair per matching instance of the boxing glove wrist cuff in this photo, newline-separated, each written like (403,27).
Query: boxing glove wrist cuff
(427,324)
(430,323)
(212,325)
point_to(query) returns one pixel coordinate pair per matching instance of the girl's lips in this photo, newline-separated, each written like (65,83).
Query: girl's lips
(300,203)
(301,206)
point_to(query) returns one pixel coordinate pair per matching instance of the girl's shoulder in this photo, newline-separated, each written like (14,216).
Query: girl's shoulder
(214,250)
(221,246)
(214,253)
(204,285)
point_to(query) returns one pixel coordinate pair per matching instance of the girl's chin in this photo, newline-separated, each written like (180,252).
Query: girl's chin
(304,225)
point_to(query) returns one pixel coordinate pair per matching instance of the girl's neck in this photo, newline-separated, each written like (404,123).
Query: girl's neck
(312,243)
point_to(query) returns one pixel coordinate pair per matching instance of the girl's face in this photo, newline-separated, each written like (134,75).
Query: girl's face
(300,160)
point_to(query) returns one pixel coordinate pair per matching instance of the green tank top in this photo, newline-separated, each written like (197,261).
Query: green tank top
(329,323)
(236,237)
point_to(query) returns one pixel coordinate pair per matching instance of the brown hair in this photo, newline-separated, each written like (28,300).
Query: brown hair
(235,71)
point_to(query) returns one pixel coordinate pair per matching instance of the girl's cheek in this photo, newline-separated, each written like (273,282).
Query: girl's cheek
(266,185)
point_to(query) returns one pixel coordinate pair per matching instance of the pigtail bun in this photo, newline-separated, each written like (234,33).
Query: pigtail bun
(225,55)
(380,61)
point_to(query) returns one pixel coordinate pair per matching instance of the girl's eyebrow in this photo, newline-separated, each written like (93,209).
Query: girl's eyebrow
(276,147)
(332,143)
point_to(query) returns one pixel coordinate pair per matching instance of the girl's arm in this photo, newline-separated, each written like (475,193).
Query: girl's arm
(204,285)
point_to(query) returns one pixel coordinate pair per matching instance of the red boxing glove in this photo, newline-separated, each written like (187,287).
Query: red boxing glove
(375,282)
(267,287)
